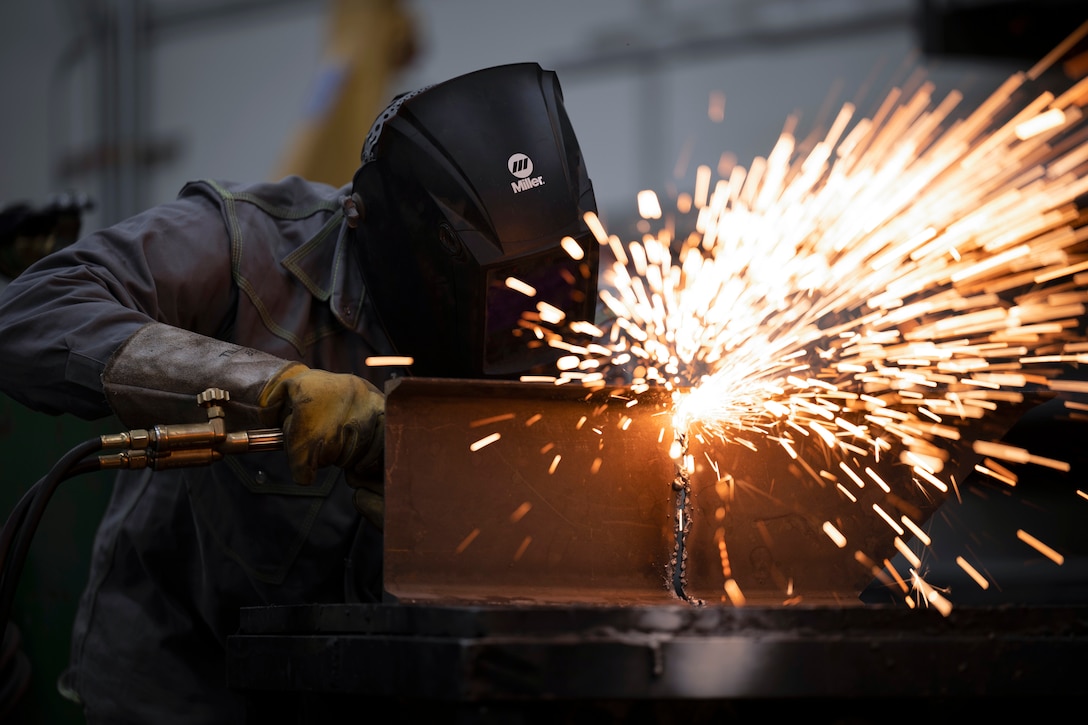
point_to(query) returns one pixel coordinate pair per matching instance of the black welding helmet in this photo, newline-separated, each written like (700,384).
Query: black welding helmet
(464,185)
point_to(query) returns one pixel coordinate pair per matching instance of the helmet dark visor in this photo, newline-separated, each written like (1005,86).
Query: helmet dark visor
(511,345)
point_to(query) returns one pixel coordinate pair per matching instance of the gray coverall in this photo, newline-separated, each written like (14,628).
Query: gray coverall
(178,552)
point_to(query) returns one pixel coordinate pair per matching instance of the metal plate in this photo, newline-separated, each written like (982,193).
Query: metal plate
(765,529)
(572,503)
(758,517)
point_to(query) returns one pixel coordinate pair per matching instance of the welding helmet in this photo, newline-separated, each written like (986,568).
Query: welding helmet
(463,185)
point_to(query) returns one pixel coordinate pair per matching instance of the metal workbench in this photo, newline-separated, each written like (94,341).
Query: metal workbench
(649,663)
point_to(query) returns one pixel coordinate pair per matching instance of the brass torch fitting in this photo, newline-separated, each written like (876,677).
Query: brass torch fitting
(187,444)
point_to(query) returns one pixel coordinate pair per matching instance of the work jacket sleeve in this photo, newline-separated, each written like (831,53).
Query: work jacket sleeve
(63,318)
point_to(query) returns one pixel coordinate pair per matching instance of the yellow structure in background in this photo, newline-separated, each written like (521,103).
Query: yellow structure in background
(368,42)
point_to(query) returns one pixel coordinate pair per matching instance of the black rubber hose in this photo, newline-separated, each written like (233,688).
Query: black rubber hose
(18,512)
(22,523)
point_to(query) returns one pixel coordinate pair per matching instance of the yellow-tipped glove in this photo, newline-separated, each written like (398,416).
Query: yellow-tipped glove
(332,419)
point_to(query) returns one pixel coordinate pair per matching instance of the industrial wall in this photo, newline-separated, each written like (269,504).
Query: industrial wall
(190,90)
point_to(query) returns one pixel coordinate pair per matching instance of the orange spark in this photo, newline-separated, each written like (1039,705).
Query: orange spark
(467,540)
(1040,547)
(485,441)
(378,361)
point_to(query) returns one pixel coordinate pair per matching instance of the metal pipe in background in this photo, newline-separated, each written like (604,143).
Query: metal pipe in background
(119,35)
(130,73)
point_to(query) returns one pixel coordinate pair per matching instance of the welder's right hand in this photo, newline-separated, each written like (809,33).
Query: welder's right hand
(328,419)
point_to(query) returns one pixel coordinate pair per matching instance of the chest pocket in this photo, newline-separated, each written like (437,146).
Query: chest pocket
(251,511)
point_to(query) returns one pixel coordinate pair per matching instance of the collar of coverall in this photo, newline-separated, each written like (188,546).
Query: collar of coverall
(328,266)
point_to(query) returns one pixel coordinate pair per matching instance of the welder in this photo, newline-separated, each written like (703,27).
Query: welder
(279,293)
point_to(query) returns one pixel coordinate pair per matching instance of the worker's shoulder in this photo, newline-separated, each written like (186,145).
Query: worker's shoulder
(292,197)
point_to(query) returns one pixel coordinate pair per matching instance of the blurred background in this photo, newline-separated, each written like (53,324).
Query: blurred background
(126,100)
(111,106)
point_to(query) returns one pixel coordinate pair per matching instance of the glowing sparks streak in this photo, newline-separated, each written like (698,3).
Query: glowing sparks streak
(933,597)
(732,590)
(550,313)
(521,549)
(568,362)
(485,441)
(914,529)
(648,205)
(519,513)
(973,573)
(936,482)
(1040,547)
(572,248)
(1014,454)
(996,471)
(523,287)
(834,534)
(467,541)
(492,419)
(585,328)
(890,521)
(896,576)
(877,478)
(910,556)
(380,361)
(861,299)
(1037,125)
(853,476)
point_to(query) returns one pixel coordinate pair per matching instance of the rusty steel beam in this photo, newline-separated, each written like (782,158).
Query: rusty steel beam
(572,503)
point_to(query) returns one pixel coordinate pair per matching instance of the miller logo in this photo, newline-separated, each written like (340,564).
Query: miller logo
(521,166)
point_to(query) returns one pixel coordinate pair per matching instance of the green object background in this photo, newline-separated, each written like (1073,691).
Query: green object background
(56,569)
